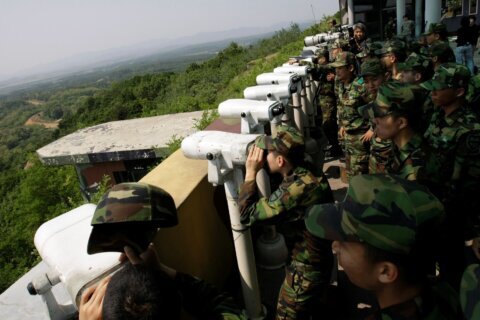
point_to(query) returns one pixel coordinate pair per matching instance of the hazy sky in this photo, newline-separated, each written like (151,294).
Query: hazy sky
(34,32)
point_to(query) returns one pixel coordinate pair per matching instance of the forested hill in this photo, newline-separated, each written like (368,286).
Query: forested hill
(31,193)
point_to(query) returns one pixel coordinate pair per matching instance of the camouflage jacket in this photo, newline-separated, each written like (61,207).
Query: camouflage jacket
(452,168)
(470,292)
(204,301)
(297,191)
(407,160)
(350,98)
(437,303)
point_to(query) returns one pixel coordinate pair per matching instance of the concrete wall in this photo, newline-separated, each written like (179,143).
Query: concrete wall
(202,243)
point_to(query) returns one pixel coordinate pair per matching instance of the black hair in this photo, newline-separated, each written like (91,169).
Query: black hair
(137,292)
(465,22)
(413,117)
(413,268)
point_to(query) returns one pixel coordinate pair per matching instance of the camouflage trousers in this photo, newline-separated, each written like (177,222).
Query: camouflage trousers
(299,294)
(356,155)
(379,153)
(329,122)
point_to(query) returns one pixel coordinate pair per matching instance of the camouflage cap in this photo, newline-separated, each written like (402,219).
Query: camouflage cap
(435,28)
(416,62)
(442,49)
(392,46)
(343,59)
(287,138)
(470,292)
(339,43)
(372,67)
(130,210)
(392,97)
(322,52)
(384,211)
(448,75)
(370,50)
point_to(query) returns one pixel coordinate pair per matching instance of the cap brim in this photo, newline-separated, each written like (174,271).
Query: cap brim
(433,85)
(325,221)
(337,64)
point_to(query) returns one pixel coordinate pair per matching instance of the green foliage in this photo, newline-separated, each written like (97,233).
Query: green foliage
(174,144)
(102,188)
(208,116)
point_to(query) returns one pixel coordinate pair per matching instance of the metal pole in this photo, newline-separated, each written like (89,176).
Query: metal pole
(433,12)
(242,240)
(350,12)
(297,111)
(418,17)
(400,14)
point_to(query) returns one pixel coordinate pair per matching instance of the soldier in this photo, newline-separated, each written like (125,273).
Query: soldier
(408,29)
(392,53)
(452,169)
(354,130)
(415,70)
(311,261)
(327,102)
(144,288)
(473,95)
(374,75)
(382,233)
(390,28)
(397,117)
(338,46)
(440,53)
(470,292)
(436,32)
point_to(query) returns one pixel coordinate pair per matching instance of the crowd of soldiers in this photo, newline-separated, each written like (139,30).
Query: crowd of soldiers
(405,117)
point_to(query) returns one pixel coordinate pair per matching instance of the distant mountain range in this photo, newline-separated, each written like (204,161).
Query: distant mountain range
(202,44)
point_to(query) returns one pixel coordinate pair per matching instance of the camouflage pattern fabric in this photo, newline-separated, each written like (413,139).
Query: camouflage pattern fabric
(392,46)
(387,212)
(452,166)
(134,201)
(328,111)
(416,62)
(448,75)
(205,301)
(372,67)
(470,292)
(435,28)
(473,94)
(380,152)
(130,214)
(344,58)
(407,160)
(442,50)
(383,211)
(356,152)
(287,204)
(390,29)
(356,155)
(287,138)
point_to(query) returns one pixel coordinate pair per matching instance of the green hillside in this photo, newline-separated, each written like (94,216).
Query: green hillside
(31,193)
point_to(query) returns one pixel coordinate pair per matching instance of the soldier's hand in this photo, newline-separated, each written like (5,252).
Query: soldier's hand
(148,258)
(341,132)
(330,76)
(254,163)
(91,302)
(367,136)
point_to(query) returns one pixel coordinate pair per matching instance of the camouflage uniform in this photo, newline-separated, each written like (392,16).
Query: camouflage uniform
(309,271)
(470,292)
(204,301)
(390,29)
(452,169)
(442,51)
(328,108)
(350,97)
(473,95)
(380,149)
(130,214)
(391,215)
(399,99)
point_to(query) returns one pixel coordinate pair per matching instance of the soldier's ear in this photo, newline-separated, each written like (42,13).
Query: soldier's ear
(387,272)
(418,76)
(460,92)
(402,122)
